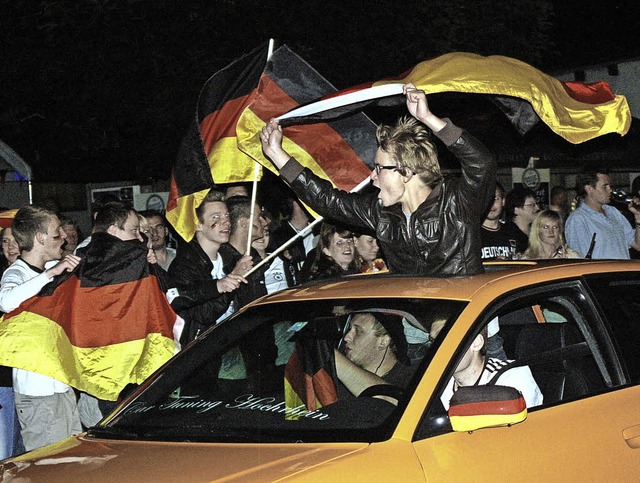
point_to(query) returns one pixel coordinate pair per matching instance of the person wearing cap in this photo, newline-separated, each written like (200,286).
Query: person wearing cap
(375,353)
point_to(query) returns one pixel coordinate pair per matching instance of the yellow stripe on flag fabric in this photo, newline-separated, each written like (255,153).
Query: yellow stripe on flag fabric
(34,343)
(248,136)
(183,218)
(230,165)
(573,120)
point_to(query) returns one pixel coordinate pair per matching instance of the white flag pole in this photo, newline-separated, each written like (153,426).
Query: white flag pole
(301,233)
(256,173)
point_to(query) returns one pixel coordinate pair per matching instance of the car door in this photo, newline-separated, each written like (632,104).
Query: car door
(588,427)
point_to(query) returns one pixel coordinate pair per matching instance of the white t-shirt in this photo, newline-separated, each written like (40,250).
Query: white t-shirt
(217,273)
(518,377)
(20,282)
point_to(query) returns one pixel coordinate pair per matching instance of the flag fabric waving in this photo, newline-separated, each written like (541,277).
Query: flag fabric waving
(340,150)
(576,111)
(235,103)
(98,329)
(208,151)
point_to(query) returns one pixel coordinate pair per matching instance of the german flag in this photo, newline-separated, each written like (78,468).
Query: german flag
(235,103)
(575,111)
(309,376)
(475,407)
(104,326)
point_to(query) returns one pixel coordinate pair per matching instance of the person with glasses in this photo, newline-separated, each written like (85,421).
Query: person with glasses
(425,224)
(521,209)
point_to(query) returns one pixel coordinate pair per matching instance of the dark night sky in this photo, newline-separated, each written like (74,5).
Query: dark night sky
(103,91)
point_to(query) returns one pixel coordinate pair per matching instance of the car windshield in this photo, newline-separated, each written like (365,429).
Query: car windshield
(290,372)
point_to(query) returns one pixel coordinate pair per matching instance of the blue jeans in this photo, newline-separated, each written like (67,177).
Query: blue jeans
(10,438)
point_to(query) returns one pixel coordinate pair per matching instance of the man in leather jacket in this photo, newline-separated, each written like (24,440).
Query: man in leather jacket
(205,290)
(424,224)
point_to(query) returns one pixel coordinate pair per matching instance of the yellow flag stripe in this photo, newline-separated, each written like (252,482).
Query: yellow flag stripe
(573,120)
(34,343)
(230,165)
(183,218)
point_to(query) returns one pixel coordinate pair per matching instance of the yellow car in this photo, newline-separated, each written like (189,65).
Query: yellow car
(373,378)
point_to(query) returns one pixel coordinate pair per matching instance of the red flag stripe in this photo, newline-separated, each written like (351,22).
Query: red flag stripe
(93,306)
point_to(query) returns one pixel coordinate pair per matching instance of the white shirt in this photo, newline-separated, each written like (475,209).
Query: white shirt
(171,255)
(217,273)
(274,277)
(518,377)
(20,282)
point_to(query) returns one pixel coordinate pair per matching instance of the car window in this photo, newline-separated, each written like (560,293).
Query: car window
(548,334)
(618,297)
(283,373)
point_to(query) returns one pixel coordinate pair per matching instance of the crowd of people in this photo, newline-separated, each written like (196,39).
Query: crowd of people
(415,221)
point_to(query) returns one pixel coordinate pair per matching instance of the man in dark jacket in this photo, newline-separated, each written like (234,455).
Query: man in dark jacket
(205,290)
(423,223)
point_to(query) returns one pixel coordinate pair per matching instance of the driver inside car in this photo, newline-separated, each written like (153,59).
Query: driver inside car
(375,355)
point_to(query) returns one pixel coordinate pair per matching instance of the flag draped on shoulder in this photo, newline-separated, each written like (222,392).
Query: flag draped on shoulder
(576,111)
(104,326)
(223,144)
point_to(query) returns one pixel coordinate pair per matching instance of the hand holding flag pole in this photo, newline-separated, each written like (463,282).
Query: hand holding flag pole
(300,234)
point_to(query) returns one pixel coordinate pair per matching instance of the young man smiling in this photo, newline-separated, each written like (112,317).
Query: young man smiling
(424,223)
(205,290)
(47,408)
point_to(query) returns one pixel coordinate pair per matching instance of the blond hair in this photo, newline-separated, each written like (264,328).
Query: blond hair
(409,145)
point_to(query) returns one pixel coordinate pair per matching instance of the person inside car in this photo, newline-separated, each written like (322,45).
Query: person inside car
(476,368)
(375,353)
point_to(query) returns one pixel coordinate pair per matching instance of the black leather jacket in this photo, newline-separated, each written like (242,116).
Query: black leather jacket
(442,237)
(199,303)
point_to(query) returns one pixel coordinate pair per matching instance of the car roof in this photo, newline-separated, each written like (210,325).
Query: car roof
(499,277)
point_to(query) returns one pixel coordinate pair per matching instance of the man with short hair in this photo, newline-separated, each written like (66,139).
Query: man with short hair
(498,238)
(158,233)
(425,224)
(47,408)
(235,249)
(476,369)
(593,216)
(375,352)
(521,208)
(205,290)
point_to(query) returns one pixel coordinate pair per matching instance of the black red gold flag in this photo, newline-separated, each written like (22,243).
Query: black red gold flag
(104,326)
(235,104)
(575,111)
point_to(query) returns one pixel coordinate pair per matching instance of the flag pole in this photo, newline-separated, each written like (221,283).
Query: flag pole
(301,233)
(256,173)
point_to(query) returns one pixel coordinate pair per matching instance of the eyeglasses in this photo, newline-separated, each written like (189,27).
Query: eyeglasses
(379,168)
(530,204)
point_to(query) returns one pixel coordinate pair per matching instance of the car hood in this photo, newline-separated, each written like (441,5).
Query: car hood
(83,458)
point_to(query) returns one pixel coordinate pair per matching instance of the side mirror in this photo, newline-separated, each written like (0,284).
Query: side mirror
(477,407)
